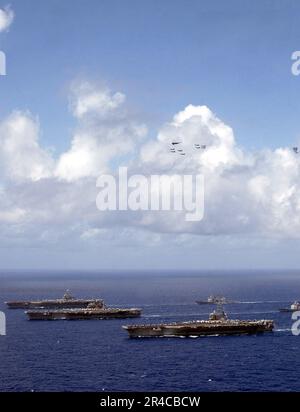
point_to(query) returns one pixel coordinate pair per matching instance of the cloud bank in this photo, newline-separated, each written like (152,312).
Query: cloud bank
(6,18)
(46,199)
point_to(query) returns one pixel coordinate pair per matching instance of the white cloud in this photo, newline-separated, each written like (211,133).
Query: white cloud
(249,193)
(194,125)
(6,18)
(105,131)
(86,100)
(20,153)
(50,199)
(12,216)
(92,233)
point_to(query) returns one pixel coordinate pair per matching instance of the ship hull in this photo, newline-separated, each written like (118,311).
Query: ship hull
(200,328)
(204,302)
(288,310)
(58,303)
(216,302)
(84,314)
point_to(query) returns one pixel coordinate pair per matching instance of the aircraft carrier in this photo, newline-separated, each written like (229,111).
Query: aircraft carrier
(93,311)
(218,324)
(67,301)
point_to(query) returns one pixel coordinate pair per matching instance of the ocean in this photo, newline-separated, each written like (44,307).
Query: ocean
(97,355)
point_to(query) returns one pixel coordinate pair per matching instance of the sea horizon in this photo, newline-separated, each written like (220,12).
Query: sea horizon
(39,355)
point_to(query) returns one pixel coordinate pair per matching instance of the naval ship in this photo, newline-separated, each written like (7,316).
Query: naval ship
(218,324)
(96,310)
(67,301)
(293,308)
(212,300)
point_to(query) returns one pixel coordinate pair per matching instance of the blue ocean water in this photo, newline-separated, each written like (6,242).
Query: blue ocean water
(98,355)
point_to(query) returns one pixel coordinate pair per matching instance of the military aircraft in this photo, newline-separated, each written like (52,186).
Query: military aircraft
(181,151)
(198,146)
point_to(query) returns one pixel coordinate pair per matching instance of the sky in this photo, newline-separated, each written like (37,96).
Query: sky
(95,84)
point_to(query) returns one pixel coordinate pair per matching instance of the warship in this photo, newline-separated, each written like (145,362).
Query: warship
(212,300)
(67,301)
(293,308)
(96,310)
(218,324)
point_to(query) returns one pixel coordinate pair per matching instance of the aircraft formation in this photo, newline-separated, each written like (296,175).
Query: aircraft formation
(176,147)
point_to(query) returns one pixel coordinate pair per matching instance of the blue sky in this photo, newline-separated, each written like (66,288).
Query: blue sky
(233,56)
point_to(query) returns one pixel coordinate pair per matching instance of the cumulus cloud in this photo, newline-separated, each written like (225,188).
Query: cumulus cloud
(105,131)
(6,18)
(48,199)
(20,153)
(12,215)
(86,100)
(245,193)
(194,125)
